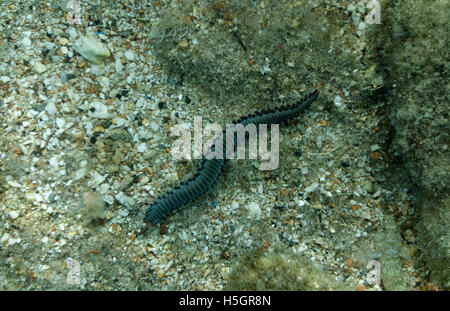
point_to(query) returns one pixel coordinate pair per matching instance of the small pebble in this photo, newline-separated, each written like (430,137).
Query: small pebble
(142,147)
(312,187)
(39,67)
(183,44)
(26,42)
(254,210)
(13,214)
(98,110)
(51,108)
(5,79)
(129,55)
(362,26)
(409,236)
(92,49)
(118,65)
(63,41)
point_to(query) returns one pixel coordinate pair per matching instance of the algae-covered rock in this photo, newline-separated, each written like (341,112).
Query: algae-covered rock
(280,270)
(411,46)
(93,206)
(251,49)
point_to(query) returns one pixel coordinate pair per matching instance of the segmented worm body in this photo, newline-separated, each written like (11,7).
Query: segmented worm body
(205,179)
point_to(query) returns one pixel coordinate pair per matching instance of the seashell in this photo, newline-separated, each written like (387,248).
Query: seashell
(92,49)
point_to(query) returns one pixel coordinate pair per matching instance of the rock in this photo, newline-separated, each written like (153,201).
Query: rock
(409,236)
(254,210)
(72,32)
(39,68)
(362,26)
(118,66)
(51,108)
(63,5)
(311,188)
(98,110)
(5,79)
(26,42)
(49,45)
(125,200)
(142,147)
(319,141)
(374,147)
(304,170)
(367,186)
(92,49)
(183,44)
(317,206)
(93,205)
(4,238)
(13,214)
(154,126)
(63,41)
(129,55)
(419,117)
(119,134)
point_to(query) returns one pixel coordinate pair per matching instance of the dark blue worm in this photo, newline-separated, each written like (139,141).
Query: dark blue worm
(205,179)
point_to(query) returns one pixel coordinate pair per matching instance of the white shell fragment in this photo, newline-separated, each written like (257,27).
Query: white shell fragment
(92,49)
(98,110)
(39,68)
(254,211)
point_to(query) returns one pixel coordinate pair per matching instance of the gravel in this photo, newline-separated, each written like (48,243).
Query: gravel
(105,129)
